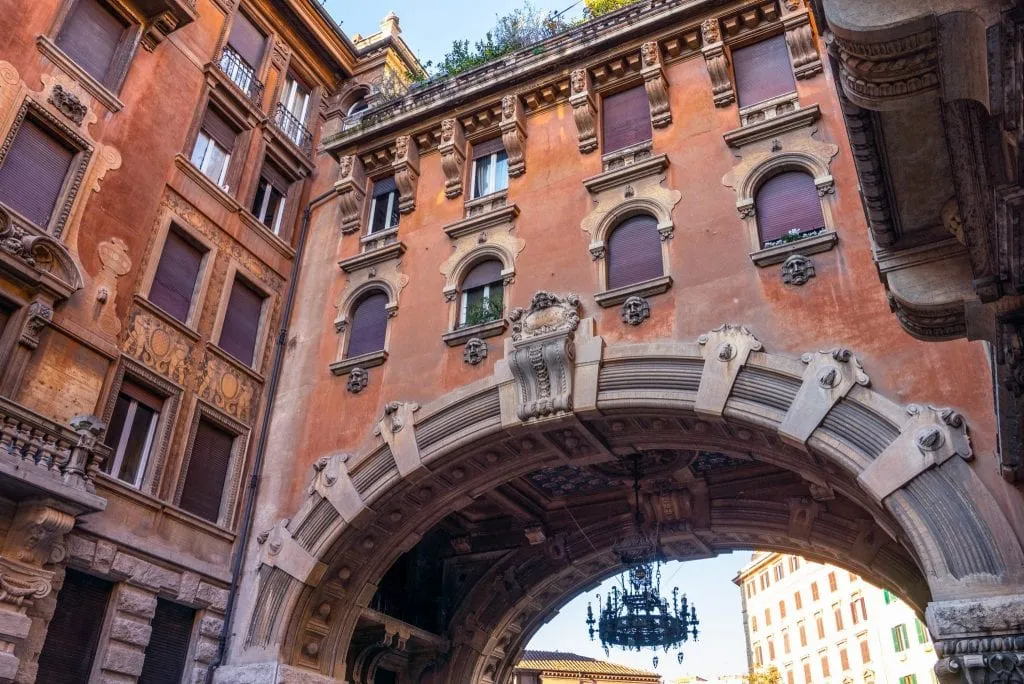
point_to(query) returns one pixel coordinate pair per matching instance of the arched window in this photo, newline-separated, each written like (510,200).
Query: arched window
(359,105)
(788,207)
(369,324)
(482,294)
(634,252)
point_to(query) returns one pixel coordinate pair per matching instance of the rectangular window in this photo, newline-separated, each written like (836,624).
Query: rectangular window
(865,652)
(825,669)
(833,582)
(74,631)
(779,571)
(384,206)
(207,472)
(214,145)
(819,622)
(293,111)
(859,608)
(490,168)
(758,658)
(837,611)
(771,649)
(807,672)
(767,616)
(625,119)
(922,633)
(247,41)
(794,563)
(132,432)
(753,623)
(887,596)
(844,659)
(167,651)
(91,36)
(762,71)
(909,679)
(785,641)
(900,641)
(814,591)
(803,633)
(33,174)
(177,275)
(782,610)
(241,322)
(798,600)
(765,581)
(271,195)
(789,677)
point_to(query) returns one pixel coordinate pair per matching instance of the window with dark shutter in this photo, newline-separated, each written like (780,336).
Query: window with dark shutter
(220,130)
(625,119)
(247,40)
(482,294)
(241,322)
(6,311)
(207,471)
(32,174)
(91,36)
(634,252)
(787,204)
(168,644)
(176,276)
(74,631)
(369,325)
(762,71)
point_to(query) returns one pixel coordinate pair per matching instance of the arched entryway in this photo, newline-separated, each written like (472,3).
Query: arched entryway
(746,449)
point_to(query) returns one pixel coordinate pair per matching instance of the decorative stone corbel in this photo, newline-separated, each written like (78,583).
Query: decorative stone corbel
(36,535)
(513,134)
(803,48)
(397,429)
(931,437)
(453,156)
(278,549)
(584,112)
(542,359)
(725,350)
(407,171)
(159,27)
(829,376)
(802,514)
(718,63)
(655,84)
(351,189)
(39,316)
(331,481)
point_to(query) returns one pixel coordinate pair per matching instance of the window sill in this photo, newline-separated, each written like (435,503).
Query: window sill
(380,235)
(647,288)
(167,318)
(275,240)
(619,177)
(811,245)
(627,156)
(234,102)
(364,361)
(500,216)
(486,203)
(372,257)
(460,336)
(99,91)
(228,358)
(200,178)
(751,133)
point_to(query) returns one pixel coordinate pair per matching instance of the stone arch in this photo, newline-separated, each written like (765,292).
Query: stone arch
(353,295)
(635,206)
(926,522)
(459,265)
(796,160)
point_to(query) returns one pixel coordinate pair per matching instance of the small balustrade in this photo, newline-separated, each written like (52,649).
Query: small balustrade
(241,74)
(293,128)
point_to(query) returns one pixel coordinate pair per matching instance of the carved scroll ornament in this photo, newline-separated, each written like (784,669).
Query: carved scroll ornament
(351,192)
(584,113)
(718,64)
(655,84)
(407,172)
(513,134)
(543,354)
(453,156)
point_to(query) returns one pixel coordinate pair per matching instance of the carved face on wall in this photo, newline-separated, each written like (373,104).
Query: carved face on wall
(635,310)
(649,52)
(448,130)
(710,31)
(578,78)
(508,107)
(345,165)
(402,147)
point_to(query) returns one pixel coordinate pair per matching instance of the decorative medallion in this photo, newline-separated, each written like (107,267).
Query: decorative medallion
(358,379)
(635,310)
(797,270)
(475,351)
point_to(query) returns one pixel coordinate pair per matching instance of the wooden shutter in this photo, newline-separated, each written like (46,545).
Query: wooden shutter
(762,71)
(788,201)
(484,273)
(865,652)
(275,177)
(168,643)
(634,252)
(74,632)
(32,174)
(176,276)
(384,186)
(625,119)
(217,127)
(207,471)
(247,40)
(488,147)
(369,325)
(241,322)
(91,35)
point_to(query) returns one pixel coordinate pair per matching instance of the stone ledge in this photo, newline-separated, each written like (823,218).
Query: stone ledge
(200,178)
(483,331)
(152,309)
(812,245)
(488,219)
(269,236)
(371,360)
(374,256)
(738,137)
(625,174)
(99,91)
(647,288)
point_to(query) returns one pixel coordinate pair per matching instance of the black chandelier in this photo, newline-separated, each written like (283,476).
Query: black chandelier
(635,615)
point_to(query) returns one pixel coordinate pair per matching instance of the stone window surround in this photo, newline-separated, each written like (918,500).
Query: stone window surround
(457,336)
(346,363)
(246,121)
(263,335)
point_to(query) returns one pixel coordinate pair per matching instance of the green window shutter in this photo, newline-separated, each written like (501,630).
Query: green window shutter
(922,636)
(896,639)
(887,596)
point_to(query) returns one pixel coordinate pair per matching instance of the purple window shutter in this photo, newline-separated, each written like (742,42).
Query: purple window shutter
(207,471)
(167,651)
(275,177)
(220,130)
(625,119)
(241,322)
(176,276)
(32,174)
(247,40)
(90,36)
(484,273)
(74,632)
(488,147)
(369,325)
(634,252)
(384,186)
(787,201)
(762,71)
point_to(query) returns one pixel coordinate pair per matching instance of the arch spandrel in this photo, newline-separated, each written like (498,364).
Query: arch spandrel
(642,396)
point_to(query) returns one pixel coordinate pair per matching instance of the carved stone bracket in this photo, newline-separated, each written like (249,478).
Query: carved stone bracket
(331,481)
(513,134)
(351,189)
(278,549)
(635,310)
(829,376)
(407,172)
(453,156)
(542,359)
(396,427)
(725,350)
(39,316)
(718,64)
(655,84)
(584,112)
(803,47)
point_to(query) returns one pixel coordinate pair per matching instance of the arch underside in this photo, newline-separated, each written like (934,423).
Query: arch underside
(532,508)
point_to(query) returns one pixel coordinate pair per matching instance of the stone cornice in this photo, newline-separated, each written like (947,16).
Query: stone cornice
(618,176)
(798,118)
(488,219)
(372,257)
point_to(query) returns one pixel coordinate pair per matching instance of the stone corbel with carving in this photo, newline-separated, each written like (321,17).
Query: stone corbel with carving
(718,63)
(655,84)
(453,156)
(584,112)
(803,48)
(543,357)
(351,189)
(513,134)
(407,172)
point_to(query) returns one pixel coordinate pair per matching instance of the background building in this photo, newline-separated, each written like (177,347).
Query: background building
(555,667)
(819,623)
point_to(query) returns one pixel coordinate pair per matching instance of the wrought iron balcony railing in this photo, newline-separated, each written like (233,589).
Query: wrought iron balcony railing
(241,74)
(293,128)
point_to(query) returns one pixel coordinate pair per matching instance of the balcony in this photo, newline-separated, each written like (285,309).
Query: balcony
(293,129)
(241,74)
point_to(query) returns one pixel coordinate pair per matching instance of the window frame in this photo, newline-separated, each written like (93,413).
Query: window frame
(260,215)
(492,175)
(234,273)
(117,453)
(233,477)
(124,54)
(392,196)
(362,295)
(209,249)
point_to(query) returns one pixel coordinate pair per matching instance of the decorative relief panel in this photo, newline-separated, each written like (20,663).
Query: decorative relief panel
(222,385)
(159,346)
(543,356)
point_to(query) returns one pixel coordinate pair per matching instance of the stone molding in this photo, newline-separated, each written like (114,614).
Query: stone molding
(623,192)
(725,350)
(480,332)
(278,549)
(782,120)
(453,156)
(37,259)
(621,295)
(892,71)
(396,427)
(830,375)
(505,215)
(470,249)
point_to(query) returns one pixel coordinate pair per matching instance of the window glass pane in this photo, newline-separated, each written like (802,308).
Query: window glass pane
(137,447)
(501,172)
(482,177)
(216,163)
(115,428)
(393,204)
(379,214)
(199,151)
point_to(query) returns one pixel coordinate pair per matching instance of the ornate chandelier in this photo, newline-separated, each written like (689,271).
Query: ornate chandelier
(635,615)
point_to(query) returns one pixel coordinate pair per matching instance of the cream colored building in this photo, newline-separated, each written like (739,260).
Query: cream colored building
(819,623)
(556,667)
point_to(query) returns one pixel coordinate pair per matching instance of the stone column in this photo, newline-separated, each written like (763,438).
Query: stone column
(979,641)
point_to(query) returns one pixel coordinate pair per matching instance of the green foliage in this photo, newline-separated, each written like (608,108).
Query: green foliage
(485,311)
(595,8)
(769,676)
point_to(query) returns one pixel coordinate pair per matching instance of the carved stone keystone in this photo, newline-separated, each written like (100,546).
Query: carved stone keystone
(584,113)
(543,360)
(279,550)
(725,350)
(351,189)
(829,376)
(331,481)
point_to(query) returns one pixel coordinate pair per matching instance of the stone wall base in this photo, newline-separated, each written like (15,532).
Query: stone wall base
(270,673)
